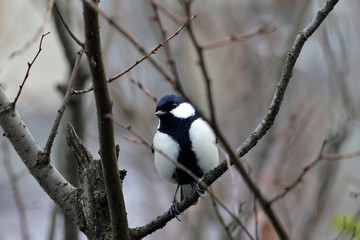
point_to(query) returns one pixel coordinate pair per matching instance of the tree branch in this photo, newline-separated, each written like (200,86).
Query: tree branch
(50,141)
(113,186)
(239,37)
(53,183)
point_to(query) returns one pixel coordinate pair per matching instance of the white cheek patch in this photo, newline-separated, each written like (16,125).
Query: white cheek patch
(184,110)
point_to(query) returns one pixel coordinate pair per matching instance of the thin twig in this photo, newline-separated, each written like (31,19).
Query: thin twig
(342,230)
(29,67)
(231,214)
(130,129)
(203,68)
(144,90)
(173,16)
(239,37)
(50,141)
(80,43)
(256,220)
(170,59)
(19,203)
(38,33)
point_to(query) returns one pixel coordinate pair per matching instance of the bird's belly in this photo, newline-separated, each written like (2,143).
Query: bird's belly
(165,147)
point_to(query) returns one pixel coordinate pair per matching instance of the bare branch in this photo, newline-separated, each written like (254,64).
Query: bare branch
(170,59)
(237,220)
(129,128)
(38,33)
(29,67)
(53,183)
(203,68)
(239,37)
(144,90)
(61,111)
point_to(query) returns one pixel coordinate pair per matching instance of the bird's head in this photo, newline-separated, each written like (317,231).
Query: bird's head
(174,106)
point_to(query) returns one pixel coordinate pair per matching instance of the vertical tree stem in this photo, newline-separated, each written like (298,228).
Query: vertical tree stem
(113,186)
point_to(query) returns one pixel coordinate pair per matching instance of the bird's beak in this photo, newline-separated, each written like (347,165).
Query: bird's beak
(160,113)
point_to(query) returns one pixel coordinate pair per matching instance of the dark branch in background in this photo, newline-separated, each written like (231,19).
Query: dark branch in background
(38,33)
(239,37)
(321,157)
(147,55)
(254,137)
(113,185)
(237,220)
(221,219)
(50,141)
(170,58)
(206,76)
(29,67)
(256,220)
(81,44)
(13,177)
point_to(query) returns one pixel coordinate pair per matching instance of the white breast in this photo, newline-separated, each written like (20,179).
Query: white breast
(171,148)
(204,145)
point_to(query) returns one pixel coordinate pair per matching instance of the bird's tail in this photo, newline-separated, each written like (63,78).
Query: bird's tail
(185,191)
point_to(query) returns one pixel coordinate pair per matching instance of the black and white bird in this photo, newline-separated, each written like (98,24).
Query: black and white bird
(186,138)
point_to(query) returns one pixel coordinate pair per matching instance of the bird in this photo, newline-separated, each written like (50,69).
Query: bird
(186,138)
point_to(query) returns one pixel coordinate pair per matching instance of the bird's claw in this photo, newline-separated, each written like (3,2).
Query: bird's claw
(174,209)
(199,190)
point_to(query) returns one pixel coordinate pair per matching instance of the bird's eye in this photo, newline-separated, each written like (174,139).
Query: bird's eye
(174,105)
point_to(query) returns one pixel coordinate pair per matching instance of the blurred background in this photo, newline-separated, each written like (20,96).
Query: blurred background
(322,101)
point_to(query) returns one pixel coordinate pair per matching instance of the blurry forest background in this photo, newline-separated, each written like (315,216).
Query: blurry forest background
(322,101)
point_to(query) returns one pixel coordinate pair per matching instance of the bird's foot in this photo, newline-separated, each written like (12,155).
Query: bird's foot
(174,209)
(201,192)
